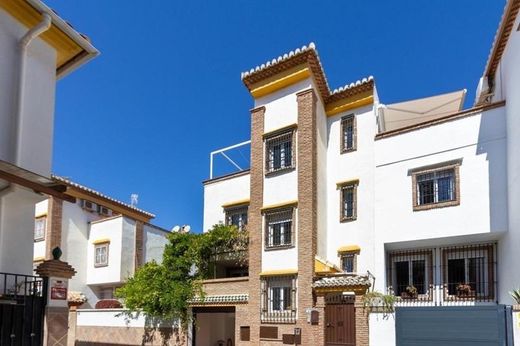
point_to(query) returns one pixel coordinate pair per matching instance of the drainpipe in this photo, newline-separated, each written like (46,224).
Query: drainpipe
(33,33)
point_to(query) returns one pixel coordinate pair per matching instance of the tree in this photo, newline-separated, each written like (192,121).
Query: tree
(163,291)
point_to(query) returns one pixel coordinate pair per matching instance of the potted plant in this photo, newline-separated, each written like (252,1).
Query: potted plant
(463,290)
(516,297)
(76,299)
(409,293)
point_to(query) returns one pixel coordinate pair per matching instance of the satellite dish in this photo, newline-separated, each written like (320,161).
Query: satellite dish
(176,229)
(186,229)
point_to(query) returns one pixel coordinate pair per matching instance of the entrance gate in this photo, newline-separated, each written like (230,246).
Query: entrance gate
(340,321)
(22,308)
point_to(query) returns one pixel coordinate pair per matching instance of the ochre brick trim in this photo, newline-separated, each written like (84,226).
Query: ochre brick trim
(254,226)
(361,322)
(307,210)
(139,246)
(54,222)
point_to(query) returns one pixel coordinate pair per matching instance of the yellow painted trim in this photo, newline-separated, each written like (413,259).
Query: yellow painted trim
(39,259)
(290,77)
(235,203)
(22,11)
(40,215)
(355,101)
(323,267)
(101,241)
(349,248)
(347,182)
(279,272)
(280,205)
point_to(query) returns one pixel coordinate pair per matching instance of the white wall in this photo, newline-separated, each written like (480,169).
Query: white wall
(127,251)
(221,192)
(39,246)
(154,242)
(39,92)
(381,329)
(112,318)
(508,80)
(113,230)
(358,164)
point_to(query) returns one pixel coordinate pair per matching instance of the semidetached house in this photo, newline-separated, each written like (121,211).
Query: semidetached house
(346,195)
(104,239)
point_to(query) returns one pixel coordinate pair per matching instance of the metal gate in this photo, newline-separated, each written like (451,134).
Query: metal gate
(454,326)
(22,308)
(340,321)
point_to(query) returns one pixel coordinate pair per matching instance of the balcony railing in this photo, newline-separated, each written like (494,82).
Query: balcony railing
(229,160)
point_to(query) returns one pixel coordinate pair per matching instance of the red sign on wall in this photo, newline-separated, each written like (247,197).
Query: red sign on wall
(58,290)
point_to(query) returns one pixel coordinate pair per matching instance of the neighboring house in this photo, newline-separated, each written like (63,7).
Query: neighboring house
(37,47)
(104,239)
(418,199)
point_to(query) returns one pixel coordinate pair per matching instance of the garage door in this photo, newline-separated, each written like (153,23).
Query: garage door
(454,326)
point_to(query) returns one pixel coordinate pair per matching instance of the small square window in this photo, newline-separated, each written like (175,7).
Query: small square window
(40,225)
(348,262)
(436,187)
(279,299)
(348,201)
(279,152)
(101,255)
(348,133)
(237,216)
(279,228)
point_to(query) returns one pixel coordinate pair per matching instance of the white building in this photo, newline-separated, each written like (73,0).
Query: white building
(417,199)
(104,239)
(37,47)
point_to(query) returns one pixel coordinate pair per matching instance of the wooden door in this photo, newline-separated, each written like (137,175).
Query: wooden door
(340,325)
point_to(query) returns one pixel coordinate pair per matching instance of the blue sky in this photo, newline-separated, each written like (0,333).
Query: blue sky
(166,90)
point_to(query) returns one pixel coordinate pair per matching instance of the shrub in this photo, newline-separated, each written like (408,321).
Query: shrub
(108,304)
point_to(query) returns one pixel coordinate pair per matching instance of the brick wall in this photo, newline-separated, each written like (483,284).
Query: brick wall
(226,286)
(54,222)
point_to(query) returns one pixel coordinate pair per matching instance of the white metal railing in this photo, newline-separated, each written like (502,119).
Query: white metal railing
(222,152)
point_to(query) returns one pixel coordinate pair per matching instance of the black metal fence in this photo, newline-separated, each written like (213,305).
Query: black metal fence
(22,308)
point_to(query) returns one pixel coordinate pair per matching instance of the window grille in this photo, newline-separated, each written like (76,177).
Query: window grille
(101,255)
(348,133)
(237,216)
(348,202)
(279,152)
(40,224)
(436,187)
(348,262)
(410,274)
(468,273)
(279,228)
(278,303)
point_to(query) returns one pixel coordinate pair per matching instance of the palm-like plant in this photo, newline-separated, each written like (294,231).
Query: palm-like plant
(516,295)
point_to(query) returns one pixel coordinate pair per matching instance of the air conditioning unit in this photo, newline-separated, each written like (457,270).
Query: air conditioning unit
(104,211)
(88,205)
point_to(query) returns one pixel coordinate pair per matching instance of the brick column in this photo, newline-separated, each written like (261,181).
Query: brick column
(54,220)
(138,246)
(306,163)
(361,322)
(255,222)
(56,320)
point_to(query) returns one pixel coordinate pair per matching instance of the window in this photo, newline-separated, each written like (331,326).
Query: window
(237,216)
(101,255)
(348,201)
(40,224)
(278,299)
(279,228)
(279,152)
(348,133)
(436,188)
(348,262)
(468,272)
(410,274)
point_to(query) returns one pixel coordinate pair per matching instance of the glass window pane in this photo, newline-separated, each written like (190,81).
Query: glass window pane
(419,275)
(402,277)
(456,274)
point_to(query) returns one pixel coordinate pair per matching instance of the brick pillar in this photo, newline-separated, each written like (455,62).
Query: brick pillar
(138,246)
(53,232)
(320,330)
(306,163)
(361,322)
(56,320)
(73,320)
(255,222)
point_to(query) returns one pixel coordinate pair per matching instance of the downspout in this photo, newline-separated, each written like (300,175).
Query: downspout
(33,33)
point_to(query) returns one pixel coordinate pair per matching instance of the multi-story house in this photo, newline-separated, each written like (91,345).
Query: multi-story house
(104,239)
(346,195)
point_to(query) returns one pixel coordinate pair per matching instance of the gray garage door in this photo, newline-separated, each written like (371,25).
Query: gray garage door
(454,326)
